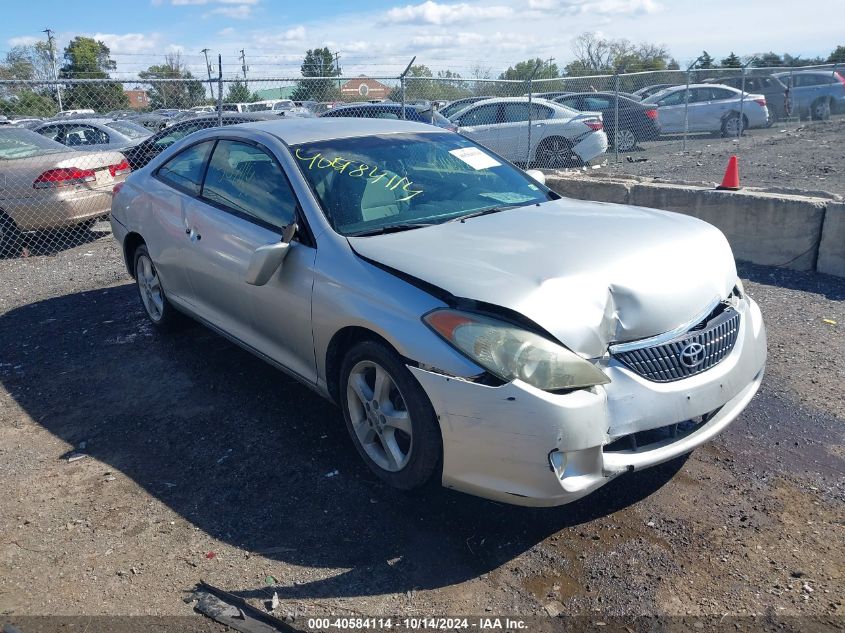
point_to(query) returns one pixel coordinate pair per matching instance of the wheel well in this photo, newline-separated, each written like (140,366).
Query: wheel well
(130,244)
(343,340)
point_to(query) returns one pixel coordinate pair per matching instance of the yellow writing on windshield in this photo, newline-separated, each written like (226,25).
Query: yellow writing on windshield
(342,165)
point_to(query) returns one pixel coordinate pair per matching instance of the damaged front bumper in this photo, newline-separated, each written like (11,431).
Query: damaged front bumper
(517,444)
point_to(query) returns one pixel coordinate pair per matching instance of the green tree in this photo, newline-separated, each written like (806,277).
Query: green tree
(731,61)
(769,60)
(522,71)
(28,102)
(168,94)
(238,92)
(318,62)
(422,84)
(837,56)
(87,58)
(706,62)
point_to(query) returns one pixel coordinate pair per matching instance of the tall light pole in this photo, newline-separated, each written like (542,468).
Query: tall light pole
(243,65)
(50,43)
(208,68)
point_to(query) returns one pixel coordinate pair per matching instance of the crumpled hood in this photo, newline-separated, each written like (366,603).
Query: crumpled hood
(589,273)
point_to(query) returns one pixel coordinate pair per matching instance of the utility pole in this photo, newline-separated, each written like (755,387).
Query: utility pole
(549,65)
(243,65)
(337,68)
(52,46)
(208,68)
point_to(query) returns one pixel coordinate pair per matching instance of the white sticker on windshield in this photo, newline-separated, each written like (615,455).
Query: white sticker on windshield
(475,158)
(507,197)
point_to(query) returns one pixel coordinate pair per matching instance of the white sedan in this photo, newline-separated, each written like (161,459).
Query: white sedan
(559,136)
(709,108)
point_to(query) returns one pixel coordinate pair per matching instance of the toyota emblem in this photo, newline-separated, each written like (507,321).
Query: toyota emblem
(692,355)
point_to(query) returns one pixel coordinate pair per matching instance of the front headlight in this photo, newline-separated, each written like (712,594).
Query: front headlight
(509,352)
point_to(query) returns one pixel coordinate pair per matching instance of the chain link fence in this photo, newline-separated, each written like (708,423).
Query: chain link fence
(65,145)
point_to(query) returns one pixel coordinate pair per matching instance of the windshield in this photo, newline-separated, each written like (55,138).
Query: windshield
(129,130)
(372,183)
(22,143)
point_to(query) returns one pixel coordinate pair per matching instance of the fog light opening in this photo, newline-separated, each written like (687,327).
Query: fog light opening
(557,463)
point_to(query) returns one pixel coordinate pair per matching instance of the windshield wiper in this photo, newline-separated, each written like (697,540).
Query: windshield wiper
(487,211)
(391,228)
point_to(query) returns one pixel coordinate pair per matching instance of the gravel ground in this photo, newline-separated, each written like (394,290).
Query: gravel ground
(203,462)
(807,155)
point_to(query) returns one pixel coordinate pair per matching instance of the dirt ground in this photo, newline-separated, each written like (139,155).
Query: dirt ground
(809,155)
(202,462)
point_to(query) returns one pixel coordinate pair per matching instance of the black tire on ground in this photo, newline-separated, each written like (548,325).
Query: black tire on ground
(820,110)
(11,239)
(556,152)
(426,447)
(627,139)
(730,123)
(168,318)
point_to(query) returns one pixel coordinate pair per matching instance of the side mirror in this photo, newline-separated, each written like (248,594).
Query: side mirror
(537,175)
(267,259)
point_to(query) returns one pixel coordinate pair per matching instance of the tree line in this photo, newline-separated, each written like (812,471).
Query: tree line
(88,58)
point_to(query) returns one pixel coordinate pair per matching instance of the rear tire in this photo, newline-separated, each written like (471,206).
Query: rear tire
(389,417)
(556,152)
(11,239)
(820,110)
(160,313)
(731,125)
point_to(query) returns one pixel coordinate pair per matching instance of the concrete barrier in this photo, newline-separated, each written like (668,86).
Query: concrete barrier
(832,248)
(773,229)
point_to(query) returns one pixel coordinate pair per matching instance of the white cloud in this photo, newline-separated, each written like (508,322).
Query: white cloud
(129,42)
(431,12)
(235,11)
(23,40)
(598,7)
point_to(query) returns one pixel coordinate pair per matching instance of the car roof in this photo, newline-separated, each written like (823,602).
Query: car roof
(295,131)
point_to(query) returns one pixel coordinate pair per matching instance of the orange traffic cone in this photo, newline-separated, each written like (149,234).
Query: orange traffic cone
(731,180)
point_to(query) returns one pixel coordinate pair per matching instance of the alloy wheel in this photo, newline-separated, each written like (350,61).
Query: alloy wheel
(625,140)
(379,416)
(150,288)
(555,152)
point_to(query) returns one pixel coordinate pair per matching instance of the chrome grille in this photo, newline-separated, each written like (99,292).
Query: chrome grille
(664,363)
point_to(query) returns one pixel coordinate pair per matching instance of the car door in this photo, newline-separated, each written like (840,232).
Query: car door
(481,124)
(670,113)
(174,188)
(246,201)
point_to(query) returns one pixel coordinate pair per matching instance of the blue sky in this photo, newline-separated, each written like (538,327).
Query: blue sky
(378,37)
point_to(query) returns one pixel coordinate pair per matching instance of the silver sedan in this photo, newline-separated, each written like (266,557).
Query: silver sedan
(472,325)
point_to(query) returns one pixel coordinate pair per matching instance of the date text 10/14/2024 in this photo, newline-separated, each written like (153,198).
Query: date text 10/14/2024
(416,623)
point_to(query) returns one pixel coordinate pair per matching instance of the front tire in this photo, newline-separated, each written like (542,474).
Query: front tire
(156,306)
(389,416)
(625,140)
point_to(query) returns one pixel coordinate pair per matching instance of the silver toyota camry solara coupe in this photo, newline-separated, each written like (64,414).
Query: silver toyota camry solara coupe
(471,324)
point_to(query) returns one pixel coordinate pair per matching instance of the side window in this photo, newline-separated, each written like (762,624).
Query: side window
(700,95)
(596,103)
(721,93)
(571,102)
(482,115)
(675,98)
(178,133)
(52,132)
(385,114)
(185,170)
(76,135)
(246,179)
(540,112)
(515,112)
